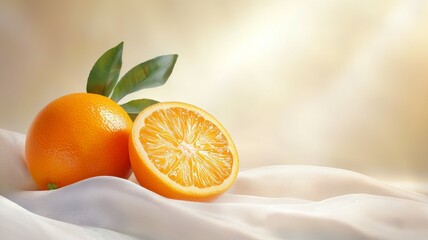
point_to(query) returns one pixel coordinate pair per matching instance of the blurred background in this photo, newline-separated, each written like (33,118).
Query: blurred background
(329,83)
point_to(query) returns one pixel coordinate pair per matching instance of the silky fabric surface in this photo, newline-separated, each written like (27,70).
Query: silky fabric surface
(272,202)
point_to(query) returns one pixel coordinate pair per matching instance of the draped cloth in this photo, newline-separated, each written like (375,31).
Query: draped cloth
(271,202)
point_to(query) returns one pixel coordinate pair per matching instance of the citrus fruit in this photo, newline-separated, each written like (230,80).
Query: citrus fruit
(78,136)
(180,151)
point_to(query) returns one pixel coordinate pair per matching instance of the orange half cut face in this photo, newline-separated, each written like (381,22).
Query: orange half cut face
(180,151)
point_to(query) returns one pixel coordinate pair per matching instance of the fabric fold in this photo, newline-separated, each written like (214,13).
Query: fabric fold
(272,202)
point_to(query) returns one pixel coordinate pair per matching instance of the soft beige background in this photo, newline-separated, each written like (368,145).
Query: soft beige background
(329,83)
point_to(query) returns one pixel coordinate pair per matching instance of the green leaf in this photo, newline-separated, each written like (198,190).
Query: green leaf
(152,73)
(105,72)
(134,107)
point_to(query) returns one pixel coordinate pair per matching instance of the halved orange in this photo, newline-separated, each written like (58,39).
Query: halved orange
(180,151)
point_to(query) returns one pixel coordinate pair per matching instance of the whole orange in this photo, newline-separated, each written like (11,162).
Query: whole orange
(78,136)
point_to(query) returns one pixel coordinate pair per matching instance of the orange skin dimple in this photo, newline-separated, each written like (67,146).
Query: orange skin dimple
(78,136)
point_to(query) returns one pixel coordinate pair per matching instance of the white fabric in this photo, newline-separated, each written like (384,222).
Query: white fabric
(273,202)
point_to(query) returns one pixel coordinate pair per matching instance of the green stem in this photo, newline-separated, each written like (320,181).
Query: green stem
(52,186)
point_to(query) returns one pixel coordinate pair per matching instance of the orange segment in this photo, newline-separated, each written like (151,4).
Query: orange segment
(181,151)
